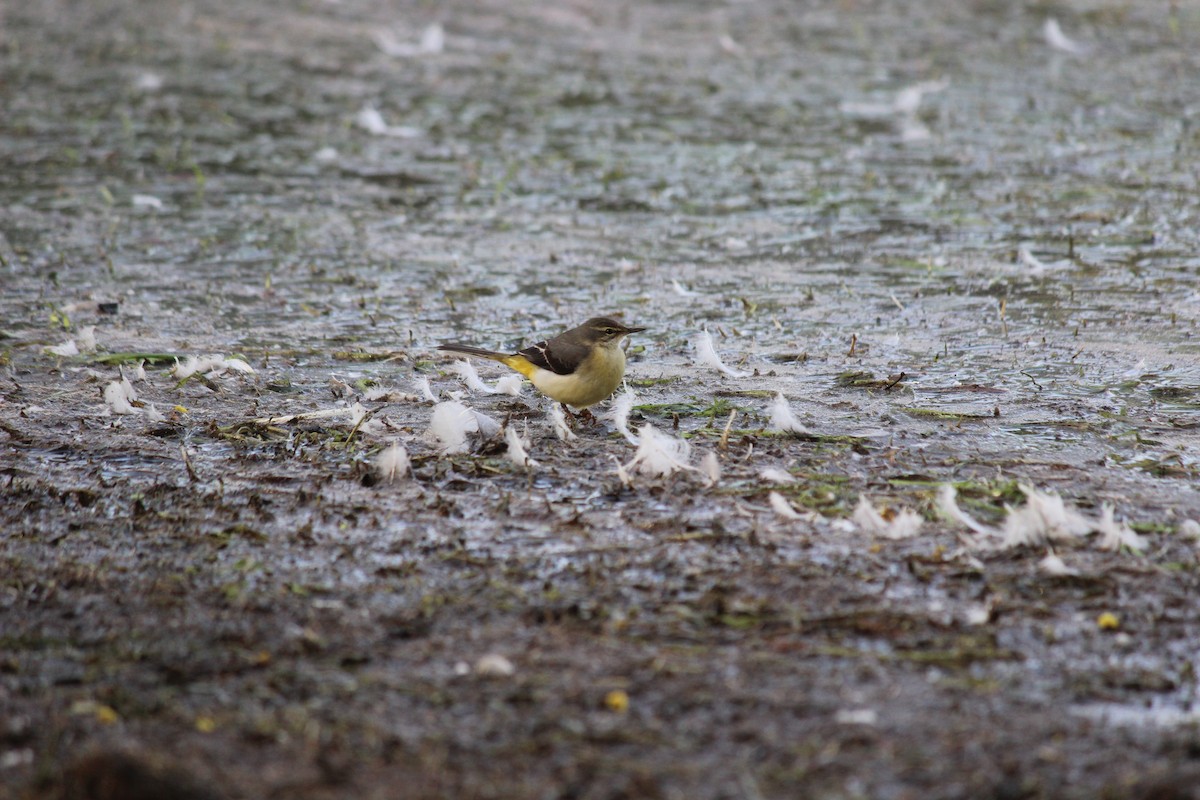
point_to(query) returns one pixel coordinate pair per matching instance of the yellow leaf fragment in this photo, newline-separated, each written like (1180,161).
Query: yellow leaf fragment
(617,700)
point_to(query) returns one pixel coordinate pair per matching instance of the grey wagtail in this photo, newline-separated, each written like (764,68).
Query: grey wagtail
(580,367)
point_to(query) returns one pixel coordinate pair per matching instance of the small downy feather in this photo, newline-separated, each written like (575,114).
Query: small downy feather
(1053,565)
(622,404)
(906,524)
(517,448)
(707,355)
(433,41)
(486,426)
(710,465)
(622,473)
(360,419)
(1059,40)
(130,393)
(782,507)
(87,339)
(208,366)
(392,462)
(1116,535)
(948,505)
(466,371)
(782,418)
(424,390)
(450,425)
(67,348)
(777,476)
(682,292)
(509,384)
(558,421)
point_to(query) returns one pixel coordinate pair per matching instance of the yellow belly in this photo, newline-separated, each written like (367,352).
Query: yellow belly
(595,380)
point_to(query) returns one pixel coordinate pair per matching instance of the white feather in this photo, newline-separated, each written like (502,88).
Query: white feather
(450,425)
(130,393)
(360,419)
(1045,517)
(494,665)
(326,155)
(659,454)
(209,366)
(466,371)
(393,462)
(782,418)
(710,465)
(67,348)
(87,339)
(1059,40)
(117,397)
(777,476)
(907,523)
(371,121)
(485,424)
(424,390)
(558,421)
(1114,536)
(622,404)
(682,292)
(384,394)
(622,473)
(433,41)
(1053,565)
(948,505)
(908,99)
(707,355)
(781,506)
(237,365)
(517,452)
(509,384)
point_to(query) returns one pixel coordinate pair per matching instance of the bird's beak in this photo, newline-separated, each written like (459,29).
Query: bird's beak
(634,330)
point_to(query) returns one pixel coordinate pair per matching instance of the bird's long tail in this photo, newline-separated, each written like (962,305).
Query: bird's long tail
(519,363)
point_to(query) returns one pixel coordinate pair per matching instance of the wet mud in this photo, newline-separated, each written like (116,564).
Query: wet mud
(959,239)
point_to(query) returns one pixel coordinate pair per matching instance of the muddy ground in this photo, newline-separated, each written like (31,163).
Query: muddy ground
(965,252)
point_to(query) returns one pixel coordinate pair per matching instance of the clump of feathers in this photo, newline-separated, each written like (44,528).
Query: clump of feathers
(1044,519)
(904,524)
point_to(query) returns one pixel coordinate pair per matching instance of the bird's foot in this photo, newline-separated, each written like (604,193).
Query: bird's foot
(584,417)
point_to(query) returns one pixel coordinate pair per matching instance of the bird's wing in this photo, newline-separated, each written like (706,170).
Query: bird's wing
(556,355)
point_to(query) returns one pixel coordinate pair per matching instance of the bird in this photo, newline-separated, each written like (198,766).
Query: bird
(579,367)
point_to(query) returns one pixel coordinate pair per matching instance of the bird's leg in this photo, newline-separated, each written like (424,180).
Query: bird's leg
(569,414)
